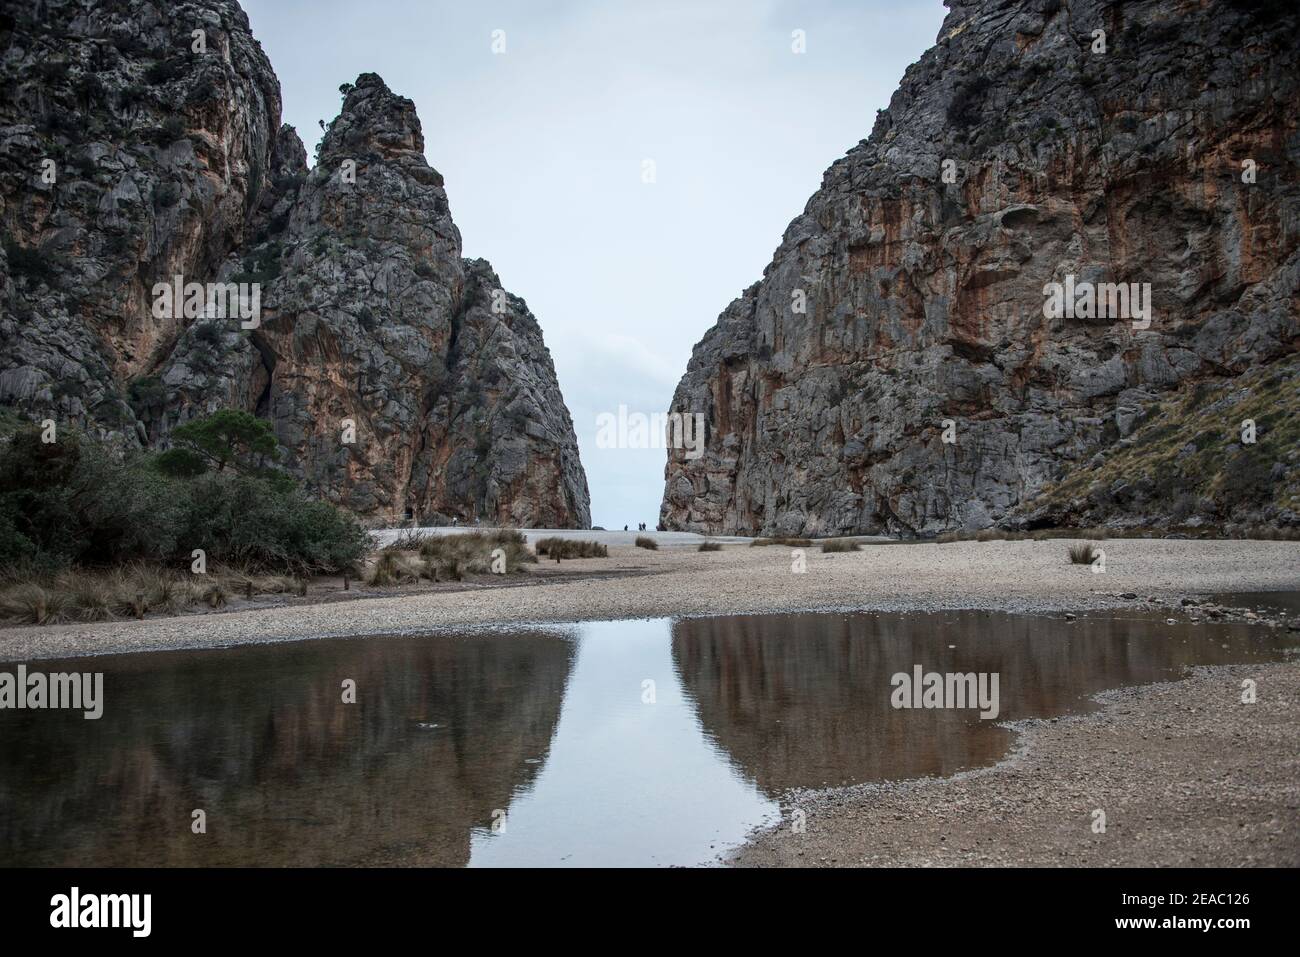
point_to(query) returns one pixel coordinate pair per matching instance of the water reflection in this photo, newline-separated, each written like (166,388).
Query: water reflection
(288,775)
(803,700)
(630,779)
(610,743)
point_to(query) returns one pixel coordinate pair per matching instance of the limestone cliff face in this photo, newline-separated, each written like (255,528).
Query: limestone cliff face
(899,300)
(401,380)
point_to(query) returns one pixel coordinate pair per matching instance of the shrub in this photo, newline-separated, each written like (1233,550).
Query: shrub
(967,103)
(262,523)
(472,552)
(208,335)
(1247,478)
(131,45)
(164,71)
(1083,554)
(409,540)
(788,542)
(248,581)
(34,264)
(262,266)
(129,591)
(77,502)
(15,547)
(560,548)
(392,568)
(130,95)
(30,604)
(207,89)
(90,597)
(644,542)
(710,546)
(213,594)
(841,545)
(180,463)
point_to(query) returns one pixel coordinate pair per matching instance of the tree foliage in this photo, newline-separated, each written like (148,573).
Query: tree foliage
(77,501)
(227,437)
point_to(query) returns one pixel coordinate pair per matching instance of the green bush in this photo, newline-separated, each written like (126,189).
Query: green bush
(165,71)
(33,263)
(258,522)
(148,395)
(16,549)
(967,103)
(77,502)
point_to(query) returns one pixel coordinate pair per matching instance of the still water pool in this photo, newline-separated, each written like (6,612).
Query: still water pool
(609,743)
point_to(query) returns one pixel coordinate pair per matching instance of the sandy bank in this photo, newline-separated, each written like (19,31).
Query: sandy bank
(1023,576)
(1186,774)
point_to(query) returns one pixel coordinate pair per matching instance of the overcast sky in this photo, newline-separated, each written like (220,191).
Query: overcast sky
(543,149)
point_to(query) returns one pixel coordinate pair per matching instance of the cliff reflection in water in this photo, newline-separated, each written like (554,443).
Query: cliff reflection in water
(803,700)
(288,775)
(608,743)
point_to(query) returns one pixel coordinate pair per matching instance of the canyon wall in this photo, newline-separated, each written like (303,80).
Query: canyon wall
(895,369)
(402,381)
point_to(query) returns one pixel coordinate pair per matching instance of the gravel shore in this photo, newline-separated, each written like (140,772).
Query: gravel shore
(1186,774)
(1026,576)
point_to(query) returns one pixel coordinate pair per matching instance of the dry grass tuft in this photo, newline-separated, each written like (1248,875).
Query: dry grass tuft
(841,545)
(1083,554)
(31,604)
(559,548)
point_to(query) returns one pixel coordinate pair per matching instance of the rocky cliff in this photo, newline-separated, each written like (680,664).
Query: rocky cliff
(141,142)
(902,367)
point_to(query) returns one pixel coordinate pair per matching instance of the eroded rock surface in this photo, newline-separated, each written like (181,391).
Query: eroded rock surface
(402,380)
(925,298)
